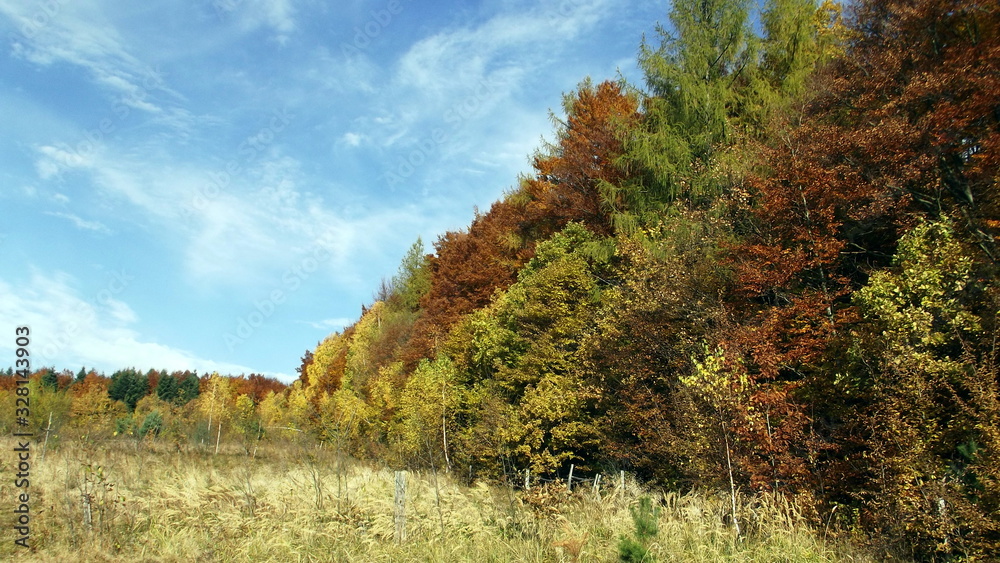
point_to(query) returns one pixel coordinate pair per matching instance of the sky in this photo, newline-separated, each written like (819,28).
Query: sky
(218,185)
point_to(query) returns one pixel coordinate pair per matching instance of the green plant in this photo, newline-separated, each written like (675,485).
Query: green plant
(153,423)
(646,519)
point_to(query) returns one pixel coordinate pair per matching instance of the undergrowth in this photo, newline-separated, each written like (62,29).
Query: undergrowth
(147,501)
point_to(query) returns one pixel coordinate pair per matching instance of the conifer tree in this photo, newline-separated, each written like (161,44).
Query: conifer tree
(696,79)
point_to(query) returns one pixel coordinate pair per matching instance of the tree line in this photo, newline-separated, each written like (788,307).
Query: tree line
(771,266)
(178,405)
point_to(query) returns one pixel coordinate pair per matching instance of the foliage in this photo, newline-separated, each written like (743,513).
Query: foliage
(151,425)
(427,409)
(774,271)
(50,379)
(571,173)
(188,388)
(413,281)
(167,389)
(524,350)
(128,386)
(645,518)
(327,364)
(933,416)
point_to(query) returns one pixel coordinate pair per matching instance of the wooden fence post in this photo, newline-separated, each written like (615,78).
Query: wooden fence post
(47,428)
(400,534)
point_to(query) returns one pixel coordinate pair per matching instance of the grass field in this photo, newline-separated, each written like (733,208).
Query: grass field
(142,501)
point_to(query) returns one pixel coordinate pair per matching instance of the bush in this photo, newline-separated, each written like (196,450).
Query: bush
(646,519)
(152,423)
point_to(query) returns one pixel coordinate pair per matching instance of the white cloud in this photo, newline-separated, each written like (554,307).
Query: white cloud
(327,324)
(506,46)
(69,330)
(472,83)
(353,139)
(54,160)
(237,229)
(81,34)
(279,15)
(80,223)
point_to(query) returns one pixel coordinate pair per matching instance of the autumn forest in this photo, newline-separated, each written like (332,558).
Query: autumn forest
(771,267)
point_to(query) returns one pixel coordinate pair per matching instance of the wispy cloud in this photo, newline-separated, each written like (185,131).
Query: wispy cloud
(278,15)
(80,223)
(472,84)
(352,139)
(240,231)
(80,34)
(70,329)
(330,324)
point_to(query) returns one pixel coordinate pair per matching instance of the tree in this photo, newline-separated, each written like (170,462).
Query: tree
(152,379)
(273,410)
(427,411)
(216,402)
(92,409)
(152,424)
(799,36)
(524,351)
(574,174)
(933,417)
(413,280)
(697,79)
(304,363)
(246,419)
(188,387)
(922,79)
(664,303)
(327,365)
(466,270)
(167,389)
(128,386)
(50,379)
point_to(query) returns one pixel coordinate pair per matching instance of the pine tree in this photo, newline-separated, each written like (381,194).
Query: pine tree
(167,389)
(413,280)
(50,379)
(188,388)
(696,80)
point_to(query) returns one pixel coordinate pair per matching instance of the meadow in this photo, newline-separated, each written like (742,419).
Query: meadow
(134,500)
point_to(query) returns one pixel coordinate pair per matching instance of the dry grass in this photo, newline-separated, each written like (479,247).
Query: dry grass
(154,502)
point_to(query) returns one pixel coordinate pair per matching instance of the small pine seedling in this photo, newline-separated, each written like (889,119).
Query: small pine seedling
(645,518)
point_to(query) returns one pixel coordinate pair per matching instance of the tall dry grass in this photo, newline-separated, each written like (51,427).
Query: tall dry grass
(145,501)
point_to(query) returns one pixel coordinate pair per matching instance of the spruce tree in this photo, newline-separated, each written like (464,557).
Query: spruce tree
(695,79)
(50,379)
(167,388)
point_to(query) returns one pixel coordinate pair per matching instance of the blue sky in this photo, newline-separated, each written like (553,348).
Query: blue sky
(218,185)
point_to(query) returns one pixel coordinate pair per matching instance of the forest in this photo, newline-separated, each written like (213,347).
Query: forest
(770,268)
